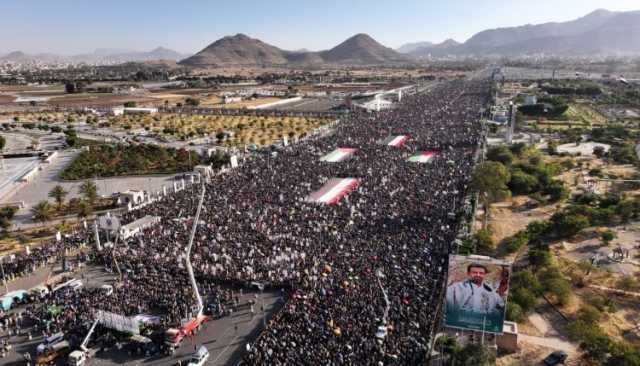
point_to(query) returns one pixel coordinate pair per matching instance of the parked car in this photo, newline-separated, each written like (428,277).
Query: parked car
(556,358)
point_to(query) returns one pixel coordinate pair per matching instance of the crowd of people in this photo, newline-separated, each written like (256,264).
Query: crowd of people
(364,277)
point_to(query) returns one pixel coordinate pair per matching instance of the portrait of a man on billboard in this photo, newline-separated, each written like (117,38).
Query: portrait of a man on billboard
(476,293)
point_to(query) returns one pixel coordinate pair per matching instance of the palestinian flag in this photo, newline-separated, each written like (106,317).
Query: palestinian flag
(332,191)
(338,155)
(395,141)
(422,157)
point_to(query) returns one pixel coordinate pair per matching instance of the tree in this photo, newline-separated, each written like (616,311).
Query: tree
(130,104)
(84,209)
(6,215)
(599,151)
(58,194)
(500,154)
(490,181)
(484,242)
(90,191)
(192,102)
(523,183)
(42,212)
(3,142)
(607,237)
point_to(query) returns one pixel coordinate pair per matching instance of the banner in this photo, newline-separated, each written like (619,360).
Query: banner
(476,295)
(118,322)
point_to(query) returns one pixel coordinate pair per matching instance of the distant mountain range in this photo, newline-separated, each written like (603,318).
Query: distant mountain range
(242,50)
(100,55)
(600,32)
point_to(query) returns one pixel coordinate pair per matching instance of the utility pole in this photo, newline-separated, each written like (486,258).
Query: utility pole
(4,279)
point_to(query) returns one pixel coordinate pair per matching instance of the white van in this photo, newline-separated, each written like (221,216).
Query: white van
(200,357)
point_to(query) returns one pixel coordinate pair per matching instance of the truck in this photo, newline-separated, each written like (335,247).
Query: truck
(174,336)
(53,352)
(79,357)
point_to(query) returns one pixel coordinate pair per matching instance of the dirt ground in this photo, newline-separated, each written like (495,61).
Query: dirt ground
(507,218)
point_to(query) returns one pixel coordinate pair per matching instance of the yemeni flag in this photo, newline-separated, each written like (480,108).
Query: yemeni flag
(332,191)
(395,141)
(422,157)
(338,155)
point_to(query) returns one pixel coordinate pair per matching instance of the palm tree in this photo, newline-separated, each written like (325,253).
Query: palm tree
(42,212)
(84,209)
(89,190)
(58,193)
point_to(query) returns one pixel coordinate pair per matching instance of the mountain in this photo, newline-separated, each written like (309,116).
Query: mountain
(119,55)
(600,32)
(440,49)
(21,57)
(410,47)
(100,55)
(246,51)
(362,49)
(237,50)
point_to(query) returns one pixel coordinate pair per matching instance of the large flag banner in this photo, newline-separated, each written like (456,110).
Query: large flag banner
(332,191)
(477,289)
(422,157)
(395,141)
(338,155)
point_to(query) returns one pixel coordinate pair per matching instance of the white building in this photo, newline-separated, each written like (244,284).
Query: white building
(132,197)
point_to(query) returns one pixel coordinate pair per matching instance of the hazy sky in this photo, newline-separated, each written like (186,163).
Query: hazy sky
(75,26)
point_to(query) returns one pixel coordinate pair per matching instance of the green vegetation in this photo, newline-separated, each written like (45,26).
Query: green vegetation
(6,215)
(120,160)
(58,194)
(458,355)
(490,181)
(42,212)
(529,174)
(546,107)
(576,88)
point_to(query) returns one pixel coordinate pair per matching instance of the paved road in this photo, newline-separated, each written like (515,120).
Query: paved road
(38,190)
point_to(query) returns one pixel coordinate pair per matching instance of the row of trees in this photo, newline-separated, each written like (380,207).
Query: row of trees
(44,211)
(121,160)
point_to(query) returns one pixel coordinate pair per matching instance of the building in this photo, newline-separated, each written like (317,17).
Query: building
(530,100)
(132,197)
(118,111)
(229,99)
(204,170)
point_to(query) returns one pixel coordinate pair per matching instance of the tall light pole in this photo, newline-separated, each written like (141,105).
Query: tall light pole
(4,279)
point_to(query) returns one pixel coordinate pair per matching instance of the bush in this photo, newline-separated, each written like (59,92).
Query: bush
(514,312)
(484,242)
(500,154)
(526,299)
(517,241)
(607,236)
(523,183)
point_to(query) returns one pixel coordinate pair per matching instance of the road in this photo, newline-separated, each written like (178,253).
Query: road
(38,190)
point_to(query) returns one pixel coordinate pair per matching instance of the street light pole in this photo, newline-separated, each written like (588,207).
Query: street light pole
(4,279)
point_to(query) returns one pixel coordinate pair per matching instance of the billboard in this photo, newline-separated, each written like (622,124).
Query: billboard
(118,322)
(476,296)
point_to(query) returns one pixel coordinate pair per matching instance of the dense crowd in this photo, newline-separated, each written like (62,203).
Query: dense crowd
(389,238)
